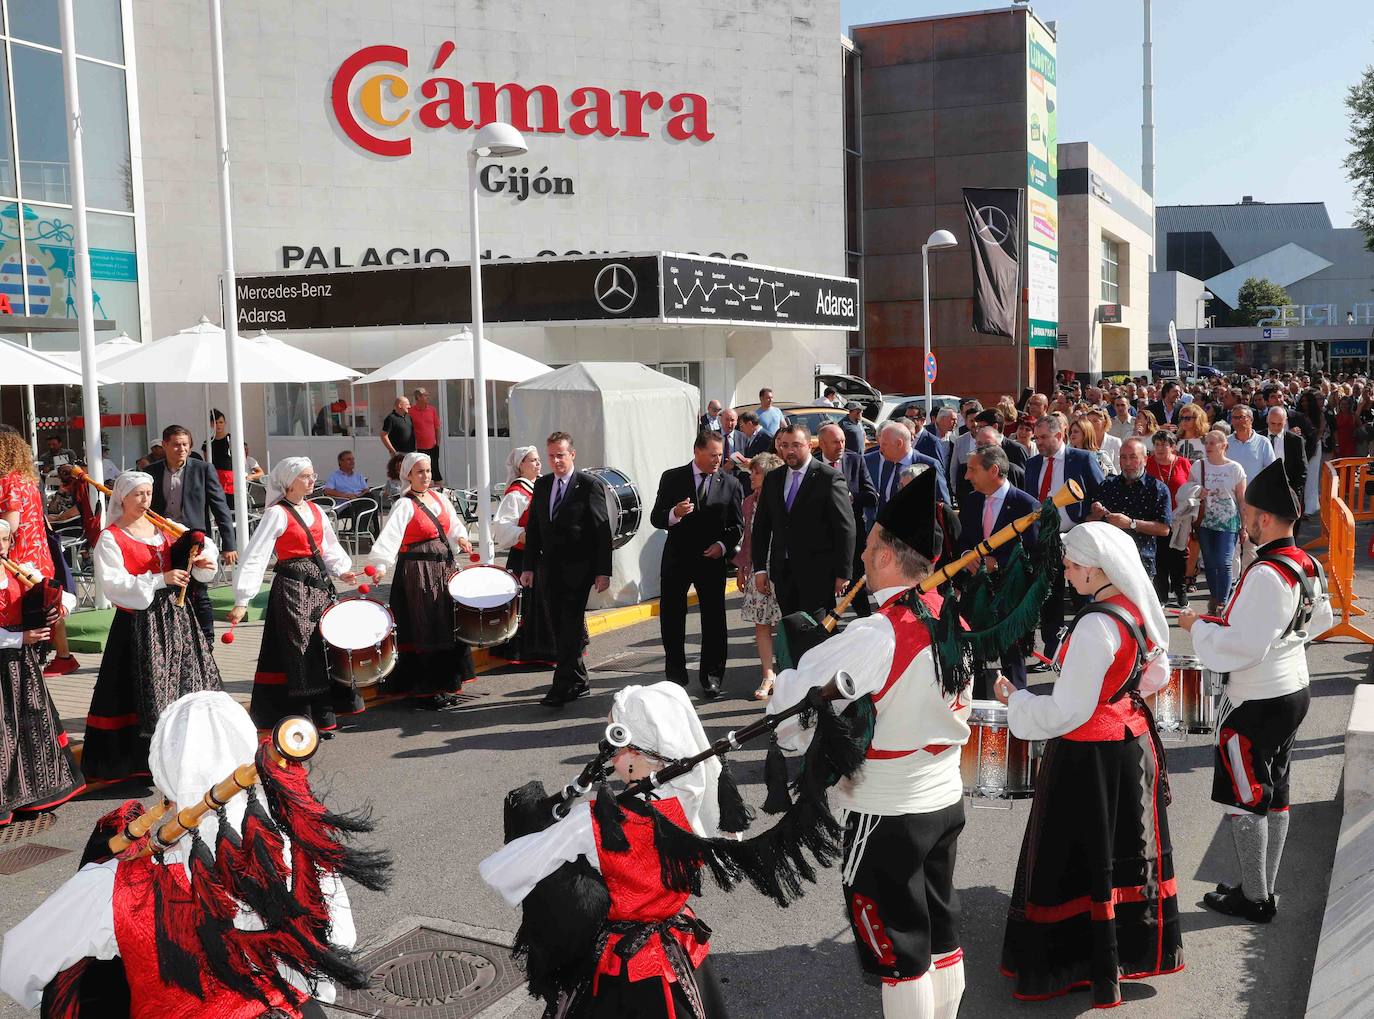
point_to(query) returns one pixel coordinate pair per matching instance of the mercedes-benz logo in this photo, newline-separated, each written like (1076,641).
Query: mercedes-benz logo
(996,224)
(615,288)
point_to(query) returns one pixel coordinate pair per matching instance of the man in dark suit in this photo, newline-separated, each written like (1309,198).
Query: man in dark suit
(699,505)
(711,419)
(1288,448)
(568,548)
(1046,472)
(804,526)
(863,496)
(992,503)
(756,440)
(989,433)
(886,462)
(1167,407)
(187,490)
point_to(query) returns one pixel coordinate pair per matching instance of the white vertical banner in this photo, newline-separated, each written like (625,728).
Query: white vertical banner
(85,305)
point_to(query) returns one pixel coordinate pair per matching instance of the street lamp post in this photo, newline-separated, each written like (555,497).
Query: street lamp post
(499,140)
(938,241)
(1202,300)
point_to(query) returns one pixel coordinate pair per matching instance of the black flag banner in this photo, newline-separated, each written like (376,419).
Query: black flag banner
(994,219)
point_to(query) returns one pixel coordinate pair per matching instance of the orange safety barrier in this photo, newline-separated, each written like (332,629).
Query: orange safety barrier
(1355,485)
(1326,491)
(1340,570)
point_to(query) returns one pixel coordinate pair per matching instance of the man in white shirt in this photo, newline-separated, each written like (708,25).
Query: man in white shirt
(1254,453)
(1123,421)
(904,811)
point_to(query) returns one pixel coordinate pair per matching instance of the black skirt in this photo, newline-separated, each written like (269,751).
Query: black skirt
(37,770)
(619,998)
(430,659)
(1095,900)
(293,674)
(533,643)
(152,657)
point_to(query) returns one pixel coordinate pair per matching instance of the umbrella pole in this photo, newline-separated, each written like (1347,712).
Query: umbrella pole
(85,309)
(230,298)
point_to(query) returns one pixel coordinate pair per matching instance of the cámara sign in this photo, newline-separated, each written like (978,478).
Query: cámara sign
(380,107)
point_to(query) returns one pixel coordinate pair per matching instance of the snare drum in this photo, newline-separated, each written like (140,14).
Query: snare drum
(622,498)
(359,642)
(486,605)
(994,764)
(1186,704)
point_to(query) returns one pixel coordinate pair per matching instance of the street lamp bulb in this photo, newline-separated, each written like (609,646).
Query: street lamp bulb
(1207,295)
(942,239)
(499,139)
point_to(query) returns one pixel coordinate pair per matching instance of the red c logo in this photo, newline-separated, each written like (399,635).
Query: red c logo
(340,98)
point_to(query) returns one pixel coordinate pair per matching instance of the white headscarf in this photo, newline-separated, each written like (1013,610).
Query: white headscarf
(5,524)
(124,485)
(1110,549)
(199,740)
(513,462)
(661,719)
(287,470)
(408,463)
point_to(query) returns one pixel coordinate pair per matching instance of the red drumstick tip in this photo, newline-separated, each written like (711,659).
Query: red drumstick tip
(371,571)
(364,589)
(475,557)
(228,638)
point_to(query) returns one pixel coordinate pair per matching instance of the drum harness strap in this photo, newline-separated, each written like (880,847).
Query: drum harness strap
(315,553)
(447,554)
(1309,588)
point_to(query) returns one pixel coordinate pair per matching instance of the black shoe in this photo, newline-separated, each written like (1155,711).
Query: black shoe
(1233,902)
(555,699)
(680,678)
(710,687)
(579,691)
(1037,665)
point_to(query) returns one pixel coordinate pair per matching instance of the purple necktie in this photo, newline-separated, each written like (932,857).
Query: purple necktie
(557,497)
(793,483)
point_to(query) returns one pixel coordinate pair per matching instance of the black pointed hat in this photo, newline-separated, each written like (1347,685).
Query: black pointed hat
(909,515)
(1269,491)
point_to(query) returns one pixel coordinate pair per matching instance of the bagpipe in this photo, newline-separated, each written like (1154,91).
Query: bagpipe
(186,544)
(274,864)
(999,618)
(563,915)
(40,595)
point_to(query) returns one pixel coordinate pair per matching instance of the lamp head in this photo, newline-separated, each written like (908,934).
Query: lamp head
(1207,295)
(942,239)
(500,140)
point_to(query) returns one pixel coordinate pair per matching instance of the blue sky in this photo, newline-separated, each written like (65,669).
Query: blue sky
(1248,98)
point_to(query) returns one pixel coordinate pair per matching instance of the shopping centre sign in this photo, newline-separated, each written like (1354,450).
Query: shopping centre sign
(380,104)
(1317,315)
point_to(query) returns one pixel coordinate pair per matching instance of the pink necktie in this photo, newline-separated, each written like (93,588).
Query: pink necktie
(989,517)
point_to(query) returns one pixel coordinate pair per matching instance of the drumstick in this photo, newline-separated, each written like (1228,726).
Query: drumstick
(190,561)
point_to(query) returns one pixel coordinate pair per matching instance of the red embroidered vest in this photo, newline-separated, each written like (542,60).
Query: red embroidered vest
(136,934)
(140,558)
(912,637)
(1111,719)
(292,543)
(10,609)
(420,528)
(637,893)
(521,485)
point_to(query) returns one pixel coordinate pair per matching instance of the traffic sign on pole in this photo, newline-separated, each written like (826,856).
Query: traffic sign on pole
(930,368)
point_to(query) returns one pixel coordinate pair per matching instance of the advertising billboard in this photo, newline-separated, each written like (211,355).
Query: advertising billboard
(1042,189)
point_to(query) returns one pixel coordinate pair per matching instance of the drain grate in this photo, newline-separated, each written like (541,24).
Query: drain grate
(429,974)
(630,661)
(18,831)
(21,858)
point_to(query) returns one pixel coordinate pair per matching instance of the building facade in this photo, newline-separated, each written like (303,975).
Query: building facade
(688,128)
(1105,243)
(947,103)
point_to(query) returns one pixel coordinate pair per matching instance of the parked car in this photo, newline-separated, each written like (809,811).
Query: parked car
(1164,366)
(851,387)
(894,405)
(814,415)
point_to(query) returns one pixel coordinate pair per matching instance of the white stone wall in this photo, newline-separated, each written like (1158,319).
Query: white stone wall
(768,185)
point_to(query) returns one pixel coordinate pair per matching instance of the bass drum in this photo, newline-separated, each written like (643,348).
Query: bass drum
(622,498)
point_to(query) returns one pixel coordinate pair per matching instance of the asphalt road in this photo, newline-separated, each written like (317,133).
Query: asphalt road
(437,782)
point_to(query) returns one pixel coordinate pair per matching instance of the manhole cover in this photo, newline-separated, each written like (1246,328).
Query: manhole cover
(21,858)
(18,831)
(429,974)
(629,661)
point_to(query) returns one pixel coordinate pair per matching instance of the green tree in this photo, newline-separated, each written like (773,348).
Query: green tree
(1256,294)
(1359,164)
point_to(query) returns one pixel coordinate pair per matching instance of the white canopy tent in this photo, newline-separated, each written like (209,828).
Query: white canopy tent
(25,367)
(623,415)
(199,355)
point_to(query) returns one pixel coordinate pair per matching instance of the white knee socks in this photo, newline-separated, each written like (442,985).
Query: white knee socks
(935,995)
(947,973)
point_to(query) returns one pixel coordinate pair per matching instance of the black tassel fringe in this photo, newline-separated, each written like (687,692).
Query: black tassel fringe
(735,815)
(775,781)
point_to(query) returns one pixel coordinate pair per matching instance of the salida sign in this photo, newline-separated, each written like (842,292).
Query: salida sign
(380,105)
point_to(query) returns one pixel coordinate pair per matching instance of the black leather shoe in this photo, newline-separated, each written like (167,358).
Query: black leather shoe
(579,691)
(1233,902)
(710,687)
(556,698)
(680,678)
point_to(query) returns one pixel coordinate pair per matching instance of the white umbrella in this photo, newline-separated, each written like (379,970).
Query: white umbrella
(198,355)
(25,367)
(451,358)
(117,347)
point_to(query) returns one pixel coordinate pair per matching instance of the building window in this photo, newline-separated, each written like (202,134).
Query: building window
(462,414)
(1111,269)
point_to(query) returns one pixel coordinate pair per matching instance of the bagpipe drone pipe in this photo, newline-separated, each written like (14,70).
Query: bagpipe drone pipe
(995,611)
(273,864)
(563,914)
